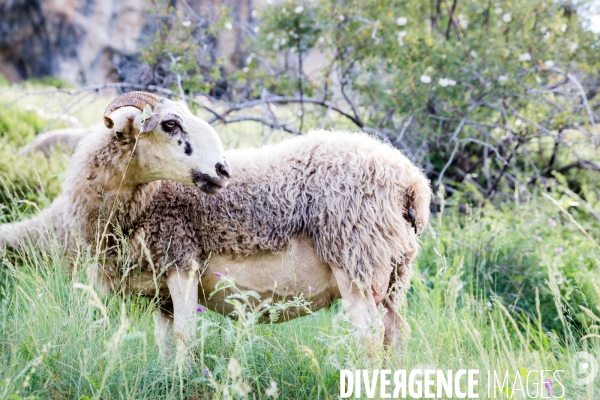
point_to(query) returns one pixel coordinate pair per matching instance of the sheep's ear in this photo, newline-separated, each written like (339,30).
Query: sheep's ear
(150,123)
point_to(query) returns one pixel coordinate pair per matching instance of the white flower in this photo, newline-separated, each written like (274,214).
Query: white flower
(462,21)
(538,79)
(298,9)
(401,35)
(342,18)
(246,69)
(563,28)
(425,79)
(186,23)
(270,35)
(547,35)
(498,11)
(548,64)
(543,29)
(507,18)
(525,57)
(228,26)
(401,21)
(234,368)
(473,54)
(446,82)
(256,29)
(572,46)
(272,390)
(254,13)
(321,39)
(283,10)
(502,79)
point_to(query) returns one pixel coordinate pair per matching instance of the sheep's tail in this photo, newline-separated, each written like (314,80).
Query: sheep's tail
(36,231)
(418,199)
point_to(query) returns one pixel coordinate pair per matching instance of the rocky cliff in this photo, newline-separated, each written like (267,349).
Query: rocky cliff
(90,41)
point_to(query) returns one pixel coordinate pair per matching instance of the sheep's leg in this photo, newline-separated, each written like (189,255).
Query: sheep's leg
(183,287)
(360,307)
(99,280)
(163,332)
(397,330)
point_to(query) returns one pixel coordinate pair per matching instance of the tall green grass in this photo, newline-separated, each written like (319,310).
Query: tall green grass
(61,340)
(493,289)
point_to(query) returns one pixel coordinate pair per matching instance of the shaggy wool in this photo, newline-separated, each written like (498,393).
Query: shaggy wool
(360,201)
(348,192)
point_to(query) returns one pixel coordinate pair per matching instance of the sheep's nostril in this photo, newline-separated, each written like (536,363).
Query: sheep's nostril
(223,170)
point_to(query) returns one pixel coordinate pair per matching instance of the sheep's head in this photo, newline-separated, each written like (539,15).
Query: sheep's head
(172,143)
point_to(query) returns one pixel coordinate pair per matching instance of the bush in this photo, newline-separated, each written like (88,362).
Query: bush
(35,178)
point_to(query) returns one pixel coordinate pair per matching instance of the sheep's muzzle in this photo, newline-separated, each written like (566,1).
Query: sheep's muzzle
(209,184)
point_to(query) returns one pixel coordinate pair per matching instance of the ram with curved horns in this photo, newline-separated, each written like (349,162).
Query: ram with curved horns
(327,215)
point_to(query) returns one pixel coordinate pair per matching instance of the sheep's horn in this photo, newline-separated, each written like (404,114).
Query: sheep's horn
(131,99)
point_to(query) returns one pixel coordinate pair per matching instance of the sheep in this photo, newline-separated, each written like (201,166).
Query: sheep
(326,215)
(67,139)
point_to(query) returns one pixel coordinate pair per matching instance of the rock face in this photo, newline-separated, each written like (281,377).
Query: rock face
(87,41)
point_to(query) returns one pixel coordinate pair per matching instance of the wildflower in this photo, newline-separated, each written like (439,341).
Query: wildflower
(312,288)
(234,368)
(498,11)
(552,222)
(473,54)
(543,29)
(563,28)
(283,10)
(401,35)
(218,275)
(272,390)
(446,82)
(425,79)
(200,309)
(549,385)
(254,13)
(502,79)
(525,57)
(206,372)
(572,46)
(548,64)
(342,18)
(298,9)
(256,29)
(462,21)
(401,21)
(228,26)
(186,23)
(507,18)
(558,251)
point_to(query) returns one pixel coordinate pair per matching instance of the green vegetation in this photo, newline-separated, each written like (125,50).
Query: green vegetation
(496,100)
(58,341)
(485,295)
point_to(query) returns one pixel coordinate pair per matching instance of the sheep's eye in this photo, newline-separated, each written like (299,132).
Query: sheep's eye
(169,124)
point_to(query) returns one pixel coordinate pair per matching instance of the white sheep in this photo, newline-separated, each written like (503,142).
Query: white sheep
(327,215)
